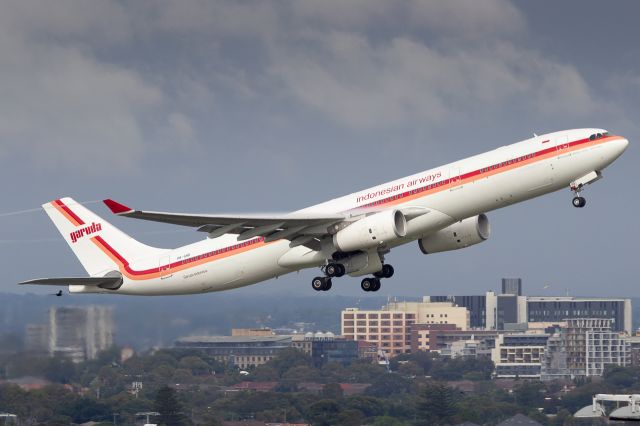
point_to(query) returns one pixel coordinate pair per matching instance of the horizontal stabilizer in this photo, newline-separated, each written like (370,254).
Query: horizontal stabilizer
(102,282)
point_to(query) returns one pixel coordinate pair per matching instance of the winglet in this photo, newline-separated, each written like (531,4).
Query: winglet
(117,208)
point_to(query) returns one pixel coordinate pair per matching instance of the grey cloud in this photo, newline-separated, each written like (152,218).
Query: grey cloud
(467,18)
(365,85)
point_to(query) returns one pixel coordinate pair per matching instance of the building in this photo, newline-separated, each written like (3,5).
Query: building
(80,333)
(557,309)
(463,349)
(497,311)
(252,332)
(519,355)
(554,362)
(327,348)
(476,305)
(633,346)
(240,351)
(390,327)
(512,286)
(37,339)
(605,347)
(424,336)
(575,341)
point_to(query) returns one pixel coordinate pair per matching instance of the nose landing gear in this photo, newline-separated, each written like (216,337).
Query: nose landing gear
(579,201)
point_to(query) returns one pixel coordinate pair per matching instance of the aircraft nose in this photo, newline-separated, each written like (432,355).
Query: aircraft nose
(619,146)
(625,144)
(622,145)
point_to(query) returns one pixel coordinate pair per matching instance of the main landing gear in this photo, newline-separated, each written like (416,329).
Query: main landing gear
(337,270)
(331,270)
(321,283)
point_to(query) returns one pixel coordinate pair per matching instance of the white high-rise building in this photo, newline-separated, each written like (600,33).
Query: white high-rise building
(79,333)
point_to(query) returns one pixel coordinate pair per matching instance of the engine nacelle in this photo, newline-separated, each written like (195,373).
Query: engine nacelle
(371,231)
(461,234)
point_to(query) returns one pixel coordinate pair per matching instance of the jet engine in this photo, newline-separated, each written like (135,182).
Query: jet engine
(461,234)
(371,231)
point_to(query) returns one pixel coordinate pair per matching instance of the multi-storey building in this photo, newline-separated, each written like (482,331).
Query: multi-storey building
(80,333)
(554,361)
(512,286)
(37,339)
(575,341)
(240,351)
(493,311)
(519,355)
(557,309)
(390,327)
(605,348)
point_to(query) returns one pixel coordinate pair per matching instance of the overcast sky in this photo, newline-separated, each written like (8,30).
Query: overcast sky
(271,106)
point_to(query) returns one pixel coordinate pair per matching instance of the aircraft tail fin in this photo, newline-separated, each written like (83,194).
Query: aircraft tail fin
(98,245)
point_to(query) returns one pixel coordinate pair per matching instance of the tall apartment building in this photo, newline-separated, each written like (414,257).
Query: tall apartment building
(554,362)
(574,338)
(390,327)
(605,348)
(519,355)
(37,339)
(584,347)
(79,333)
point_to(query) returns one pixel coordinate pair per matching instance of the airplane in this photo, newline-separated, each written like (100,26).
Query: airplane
(443,209)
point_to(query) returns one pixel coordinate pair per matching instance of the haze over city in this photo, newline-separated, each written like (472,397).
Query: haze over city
(274,106)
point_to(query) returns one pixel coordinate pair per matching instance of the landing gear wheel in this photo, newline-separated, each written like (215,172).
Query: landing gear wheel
(377,285)
(368,284)
(335,270)
(385,272)
(327,284)
(318,283)
(579,202)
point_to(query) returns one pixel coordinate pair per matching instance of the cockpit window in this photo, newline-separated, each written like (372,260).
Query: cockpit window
(598,136)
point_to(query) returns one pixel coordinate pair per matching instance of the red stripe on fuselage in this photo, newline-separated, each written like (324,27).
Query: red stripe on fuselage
(503,166)
(259,242)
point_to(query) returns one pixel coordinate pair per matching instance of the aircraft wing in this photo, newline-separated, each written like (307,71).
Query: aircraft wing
(300,229)
(102,282)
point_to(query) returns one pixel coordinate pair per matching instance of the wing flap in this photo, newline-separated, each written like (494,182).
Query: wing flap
(102,282)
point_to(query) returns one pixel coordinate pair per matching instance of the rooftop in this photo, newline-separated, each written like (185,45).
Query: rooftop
(234,339)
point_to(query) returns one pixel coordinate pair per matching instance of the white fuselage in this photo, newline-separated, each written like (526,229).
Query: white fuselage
(452,192)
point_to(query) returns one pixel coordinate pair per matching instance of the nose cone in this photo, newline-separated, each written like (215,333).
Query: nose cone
(625,144)
(618,146)
(621,145)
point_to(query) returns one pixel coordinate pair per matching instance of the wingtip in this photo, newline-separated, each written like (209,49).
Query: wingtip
(115,207)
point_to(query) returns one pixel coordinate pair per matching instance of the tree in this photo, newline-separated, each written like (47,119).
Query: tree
(323,413)
(168,406)
(332,391)
(530,394)
(389,384)
(195,364)
(437,403)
